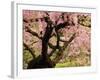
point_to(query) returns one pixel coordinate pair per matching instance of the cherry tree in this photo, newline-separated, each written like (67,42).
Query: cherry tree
(51,31)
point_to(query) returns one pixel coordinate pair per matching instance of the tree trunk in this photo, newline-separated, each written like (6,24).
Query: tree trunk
(45,58)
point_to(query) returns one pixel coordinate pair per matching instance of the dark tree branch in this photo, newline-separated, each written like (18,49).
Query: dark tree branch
(29,49)
(51,53)
(33,33)
(25,20)
(58,38)
(62,40)
(61,25)
(67,42)
(61,50)
(53,34)
(51,46)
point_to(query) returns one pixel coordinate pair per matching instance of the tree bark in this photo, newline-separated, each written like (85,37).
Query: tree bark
(45,41)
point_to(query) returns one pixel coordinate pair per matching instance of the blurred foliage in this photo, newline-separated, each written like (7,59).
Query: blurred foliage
(75,61)
(84,20)
(27,57)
